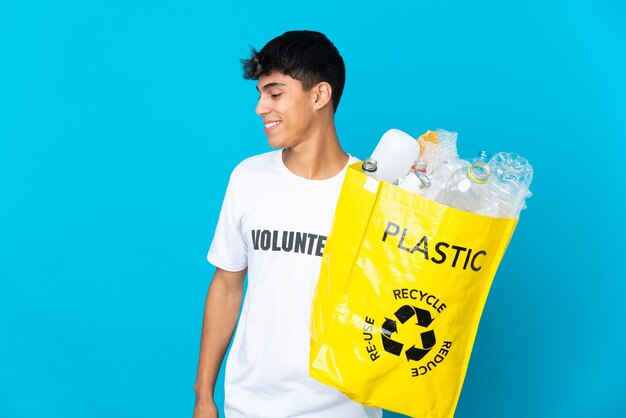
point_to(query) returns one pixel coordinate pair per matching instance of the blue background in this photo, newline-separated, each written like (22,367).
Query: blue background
(120,122)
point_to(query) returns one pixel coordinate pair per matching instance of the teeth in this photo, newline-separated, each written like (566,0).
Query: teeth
(270,124)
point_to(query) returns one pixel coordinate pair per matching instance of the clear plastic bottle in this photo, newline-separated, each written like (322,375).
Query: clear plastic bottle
(512,175)
(442,174)
(468,189)
(416,181)
(443,163)
(369,166)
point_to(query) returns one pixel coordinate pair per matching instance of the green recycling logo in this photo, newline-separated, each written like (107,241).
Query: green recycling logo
(418,349)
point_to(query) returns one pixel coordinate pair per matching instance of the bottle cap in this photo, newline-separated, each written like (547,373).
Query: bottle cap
(369,164)
(479,171)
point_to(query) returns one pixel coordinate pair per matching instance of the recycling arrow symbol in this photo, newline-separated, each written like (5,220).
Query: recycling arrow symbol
(390,327)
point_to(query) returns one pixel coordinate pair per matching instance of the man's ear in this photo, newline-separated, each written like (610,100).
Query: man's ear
(323,94)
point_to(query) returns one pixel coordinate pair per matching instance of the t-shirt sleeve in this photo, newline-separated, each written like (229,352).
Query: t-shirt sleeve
(228,249)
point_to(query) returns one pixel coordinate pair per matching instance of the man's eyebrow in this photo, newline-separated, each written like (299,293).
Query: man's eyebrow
(270,85)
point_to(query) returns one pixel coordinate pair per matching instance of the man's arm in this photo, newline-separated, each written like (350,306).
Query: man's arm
(221,311)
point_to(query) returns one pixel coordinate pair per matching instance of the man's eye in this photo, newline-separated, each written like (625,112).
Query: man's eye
(275,95)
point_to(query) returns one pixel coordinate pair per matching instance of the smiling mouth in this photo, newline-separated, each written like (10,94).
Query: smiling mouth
(270,125)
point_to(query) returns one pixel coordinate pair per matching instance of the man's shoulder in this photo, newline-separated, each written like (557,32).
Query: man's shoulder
(256,163)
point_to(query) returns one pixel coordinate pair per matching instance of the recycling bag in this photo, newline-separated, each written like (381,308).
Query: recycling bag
(401,290)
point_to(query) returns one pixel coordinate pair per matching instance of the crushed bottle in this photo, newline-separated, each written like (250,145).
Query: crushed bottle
(468,189)
(443,161)
(512,175)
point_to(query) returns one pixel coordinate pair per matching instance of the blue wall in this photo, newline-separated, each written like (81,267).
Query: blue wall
(120,122)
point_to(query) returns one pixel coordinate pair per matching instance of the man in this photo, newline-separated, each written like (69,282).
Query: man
(275,217)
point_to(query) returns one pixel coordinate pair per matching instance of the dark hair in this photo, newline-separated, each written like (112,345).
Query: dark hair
(307,56)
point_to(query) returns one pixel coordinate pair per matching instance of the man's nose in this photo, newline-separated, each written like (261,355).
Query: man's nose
(261,107)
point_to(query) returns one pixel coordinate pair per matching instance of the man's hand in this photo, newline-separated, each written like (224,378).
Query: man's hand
(205,410)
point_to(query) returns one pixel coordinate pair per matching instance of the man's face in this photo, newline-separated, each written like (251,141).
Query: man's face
(288,111)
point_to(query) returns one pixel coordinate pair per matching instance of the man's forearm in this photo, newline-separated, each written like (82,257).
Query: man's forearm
(220,317)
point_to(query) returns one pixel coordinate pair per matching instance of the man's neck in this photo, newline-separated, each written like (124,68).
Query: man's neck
(318,158)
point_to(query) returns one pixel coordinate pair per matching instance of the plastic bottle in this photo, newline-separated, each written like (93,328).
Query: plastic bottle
(416,181)
(468,189)
(512,175)
(395,153)
(442,161)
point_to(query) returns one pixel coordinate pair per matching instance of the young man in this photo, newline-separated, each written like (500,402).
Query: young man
(276,214)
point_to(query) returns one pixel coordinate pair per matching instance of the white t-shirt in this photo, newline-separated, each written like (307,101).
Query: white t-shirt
(276,223)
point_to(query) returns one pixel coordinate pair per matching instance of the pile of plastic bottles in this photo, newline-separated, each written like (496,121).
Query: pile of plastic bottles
(495,186)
